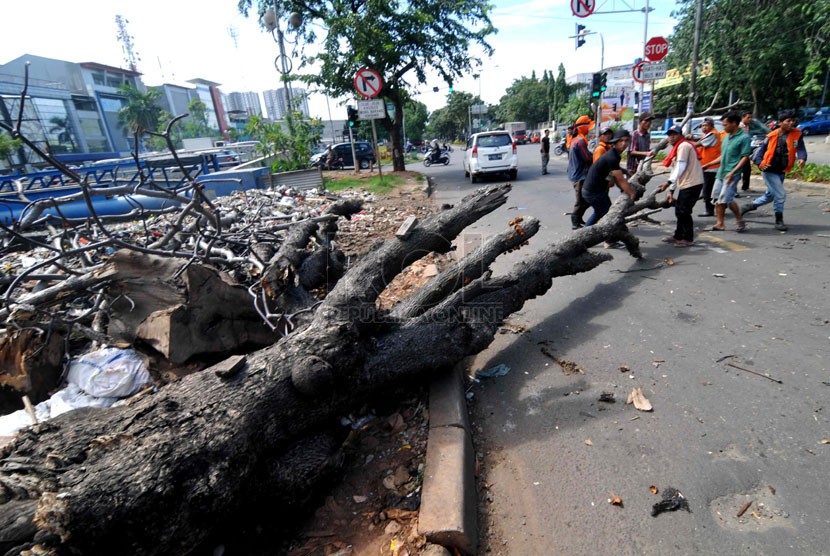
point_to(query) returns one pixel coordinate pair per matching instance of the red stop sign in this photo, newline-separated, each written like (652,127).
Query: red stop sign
(656,49)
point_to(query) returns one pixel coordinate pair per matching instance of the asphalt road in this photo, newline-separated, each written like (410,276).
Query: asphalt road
(554,455)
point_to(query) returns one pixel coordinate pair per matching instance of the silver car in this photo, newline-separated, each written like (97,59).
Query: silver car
(490,152)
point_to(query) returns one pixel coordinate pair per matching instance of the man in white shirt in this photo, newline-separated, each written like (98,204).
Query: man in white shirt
(684,184)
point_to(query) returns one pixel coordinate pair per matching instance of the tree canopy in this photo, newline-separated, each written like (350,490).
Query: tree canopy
(403,41)
(140,111)
(769,53)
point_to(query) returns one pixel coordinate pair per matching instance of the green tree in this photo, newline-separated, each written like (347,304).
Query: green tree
(415,119)
(526,100)
(8,146)
(769,53)
(453,120)
(196,124)
(140,110)
(292,150)
(400,40)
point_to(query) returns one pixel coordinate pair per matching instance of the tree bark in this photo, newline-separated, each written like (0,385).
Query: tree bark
(156,476)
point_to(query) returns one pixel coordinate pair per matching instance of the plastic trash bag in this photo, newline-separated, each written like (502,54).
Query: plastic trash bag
(109,373)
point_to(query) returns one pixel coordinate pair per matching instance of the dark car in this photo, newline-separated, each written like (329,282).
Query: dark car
(362,149)
(820,123)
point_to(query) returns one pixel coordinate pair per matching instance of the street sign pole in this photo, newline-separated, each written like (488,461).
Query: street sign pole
(377,151)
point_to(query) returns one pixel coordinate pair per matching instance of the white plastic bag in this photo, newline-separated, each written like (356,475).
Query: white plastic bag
(109,373)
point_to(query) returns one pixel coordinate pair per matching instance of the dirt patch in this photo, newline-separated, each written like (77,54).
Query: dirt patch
(757,510)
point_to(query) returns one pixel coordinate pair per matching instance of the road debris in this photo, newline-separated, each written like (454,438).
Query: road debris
(493,372)
(744,508)
(639,400)
(607,397)
(672,501)
(568,367)
(755,373)
(654,489)
(615,500)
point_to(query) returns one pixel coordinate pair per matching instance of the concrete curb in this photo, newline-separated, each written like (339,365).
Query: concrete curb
(449,505)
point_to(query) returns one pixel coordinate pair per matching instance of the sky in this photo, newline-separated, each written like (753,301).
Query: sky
(177,40)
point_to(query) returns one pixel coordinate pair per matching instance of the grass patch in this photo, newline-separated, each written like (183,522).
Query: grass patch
(376,185)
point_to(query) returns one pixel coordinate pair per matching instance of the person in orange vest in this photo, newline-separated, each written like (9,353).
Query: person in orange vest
(708,147)
(781,150)
(579,160)
(604,142)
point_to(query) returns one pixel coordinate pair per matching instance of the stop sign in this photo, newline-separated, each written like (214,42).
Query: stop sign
(656,49)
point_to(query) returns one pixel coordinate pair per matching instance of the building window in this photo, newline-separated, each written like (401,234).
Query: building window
(98,78)
(114,81)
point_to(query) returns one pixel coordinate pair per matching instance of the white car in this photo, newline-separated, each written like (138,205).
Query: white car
(490,152)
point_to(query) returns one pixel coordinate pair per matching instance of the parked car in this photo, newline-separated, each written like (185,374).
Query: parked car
(490,152)
(362,149)
(820,123)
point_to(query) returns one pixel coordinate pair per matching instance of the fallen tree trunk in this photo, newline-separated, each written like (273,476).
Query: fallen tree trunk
(156,476)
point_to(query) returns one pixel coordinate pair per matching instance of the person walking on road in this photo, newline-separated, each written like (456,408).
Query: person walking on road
(746,170)
(782,148)
(579,160)
(545,150)
(734,153)
(640,146)
(603,144)
(709,149)
(596,186)
(687,179)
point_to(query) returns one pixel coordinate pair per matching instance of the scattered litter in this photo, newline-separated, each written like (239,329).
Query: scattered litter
(568,367)
(782,274)
(624,368)
(358,499)
(109,373)
(744,508)
(654,489)
(673,500)
(588,442)
(607,397)
(615,500)
(656,362)
(639,400)
(498,370)
(824,441)
(669,261)
(718,275)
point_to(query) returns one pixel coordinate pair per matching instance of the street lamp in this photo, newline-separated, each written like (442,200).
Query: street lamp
(282,62)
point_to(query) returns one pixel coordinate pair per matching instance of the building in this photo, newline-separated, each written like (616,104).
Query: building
(208,92)
(275,104)
(71,109)
(245,103)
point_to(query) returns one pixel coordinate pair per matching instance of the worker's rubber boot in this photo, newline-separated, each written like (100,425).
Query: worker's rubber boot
(779,222)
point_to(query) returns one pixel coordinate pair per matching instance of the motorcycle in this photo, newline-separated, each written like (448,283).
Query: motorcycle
(442,158)
(560,148)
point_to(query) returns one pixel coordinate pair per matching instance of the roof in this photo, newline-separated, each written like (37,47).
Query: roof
(110,69)
(200,81)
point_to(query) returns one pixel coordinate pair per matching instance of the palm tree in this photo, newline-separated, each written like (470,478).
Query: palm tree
(140,111)
(64,129)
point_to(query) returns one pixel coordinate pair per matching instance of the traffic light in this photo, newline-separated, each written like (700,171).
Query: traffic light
(350,110)
(595,85)
(580,35)
(603,81)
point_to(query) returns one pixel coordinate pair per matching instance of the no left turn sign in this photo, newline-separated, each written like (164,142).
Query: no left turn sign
(637,72)
(583,8)
(367,82)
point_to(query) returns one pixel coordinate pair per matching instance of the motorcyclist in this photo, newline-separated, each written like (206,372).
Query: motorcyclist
(435,151)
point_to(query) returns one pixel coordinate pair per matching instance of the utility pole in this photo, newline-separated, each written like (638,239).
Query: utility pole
(690,106)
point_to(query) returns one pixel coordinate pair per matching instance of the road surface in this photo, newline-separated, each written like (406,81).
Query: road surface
(691,327)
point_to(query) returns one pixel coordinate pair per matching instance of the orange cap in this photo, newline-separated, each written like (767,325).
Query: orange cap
(585,121)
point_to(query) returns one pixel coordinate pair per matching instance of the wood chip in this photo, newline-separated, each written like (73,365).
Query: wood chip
(744,508)
(588,442)
(653,489)
(615,500)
